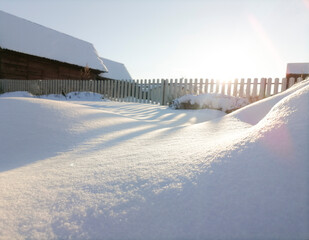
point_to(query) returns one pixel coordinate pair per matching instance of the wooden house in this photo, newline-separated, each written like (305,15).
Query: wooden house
(296,70)
(31,51)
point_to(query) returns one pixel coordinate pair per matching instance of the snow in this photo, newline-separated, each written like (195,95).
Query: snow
(116,70)
(210,100)
(21,35)
(109,170)
(71,96)
(297,68)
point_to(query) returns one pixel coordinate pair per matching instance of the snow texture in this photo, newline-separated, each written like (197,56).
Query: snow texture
(211,101)
(71,96)
(108,170)
(116,70)
(21,35)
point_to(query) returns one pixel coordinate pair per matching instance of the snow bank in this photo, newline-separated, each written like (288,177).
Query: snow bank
(106,170)
(76,96)
(253,113)
(211,101)
(16,94)
(72,96)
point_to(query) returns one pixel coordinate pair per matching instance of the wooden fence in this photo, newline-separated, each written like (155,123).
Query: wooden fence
(153,91)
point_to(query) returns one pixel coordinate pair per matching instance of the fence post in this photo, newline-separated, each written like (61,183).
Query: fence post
(235,87)
(217,86)
(201,86)
(111,89)
(241,87)
(144,91)
(121,90)
(248,88)
(283,84)
(211,89)
(254,90)
(158,91)
(179,89)
(229,88)
(195,87)
(291,82)
(175,89)
(299,79)
(185,87)
(190,86)
(136,91)
(206,86)
(162,91)
(140,97)
(268,87)
(276,86)
(262,88)
(132,91)
(222,88)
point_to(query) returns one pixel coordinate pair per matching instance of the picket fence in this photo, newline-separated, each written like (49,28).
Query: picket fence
(160,91)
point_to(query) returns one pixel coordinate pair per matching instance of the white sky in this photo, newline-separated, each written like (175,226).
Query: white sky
(178,38)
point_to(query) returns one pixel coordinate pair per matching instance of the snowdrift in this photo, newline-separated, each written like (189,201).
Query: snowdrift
(216,101)
(114,175)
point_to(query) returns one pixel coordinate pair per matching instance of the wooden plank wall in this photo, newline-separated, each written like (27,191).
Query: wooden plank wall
(15,65)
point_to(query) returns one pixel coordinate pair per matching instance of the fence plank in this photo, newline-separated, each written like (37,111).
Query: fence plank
(144,91)
(211,86)
(125,94)
(129,89)
(206,86)
(254,89)
(147,94)
(195,87)
(140,97)
(222,88)
(136,91)
(132,91)
(190,86)
(242,87)
(235,87)
(268,87)
(201,86)
(217,86)
(121,85)
(229,88)
(291,82)
(276,86)
(248,88)
(262,88)
(284,84)
(174,89)
(111,89)
(152,91)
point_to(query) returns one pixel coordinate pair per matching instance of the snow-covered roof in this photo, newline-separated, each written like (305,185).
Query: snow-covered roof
(116,70)
(21,35)
(297,68)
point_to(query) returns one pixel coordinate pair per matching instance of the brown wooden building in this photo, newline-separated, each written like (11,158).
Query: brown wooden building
(16,65)
(296,70)
(32,51)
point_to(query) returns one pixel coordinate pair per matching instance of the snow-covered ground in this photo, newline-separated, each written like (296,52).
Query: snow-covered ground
(108,170)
